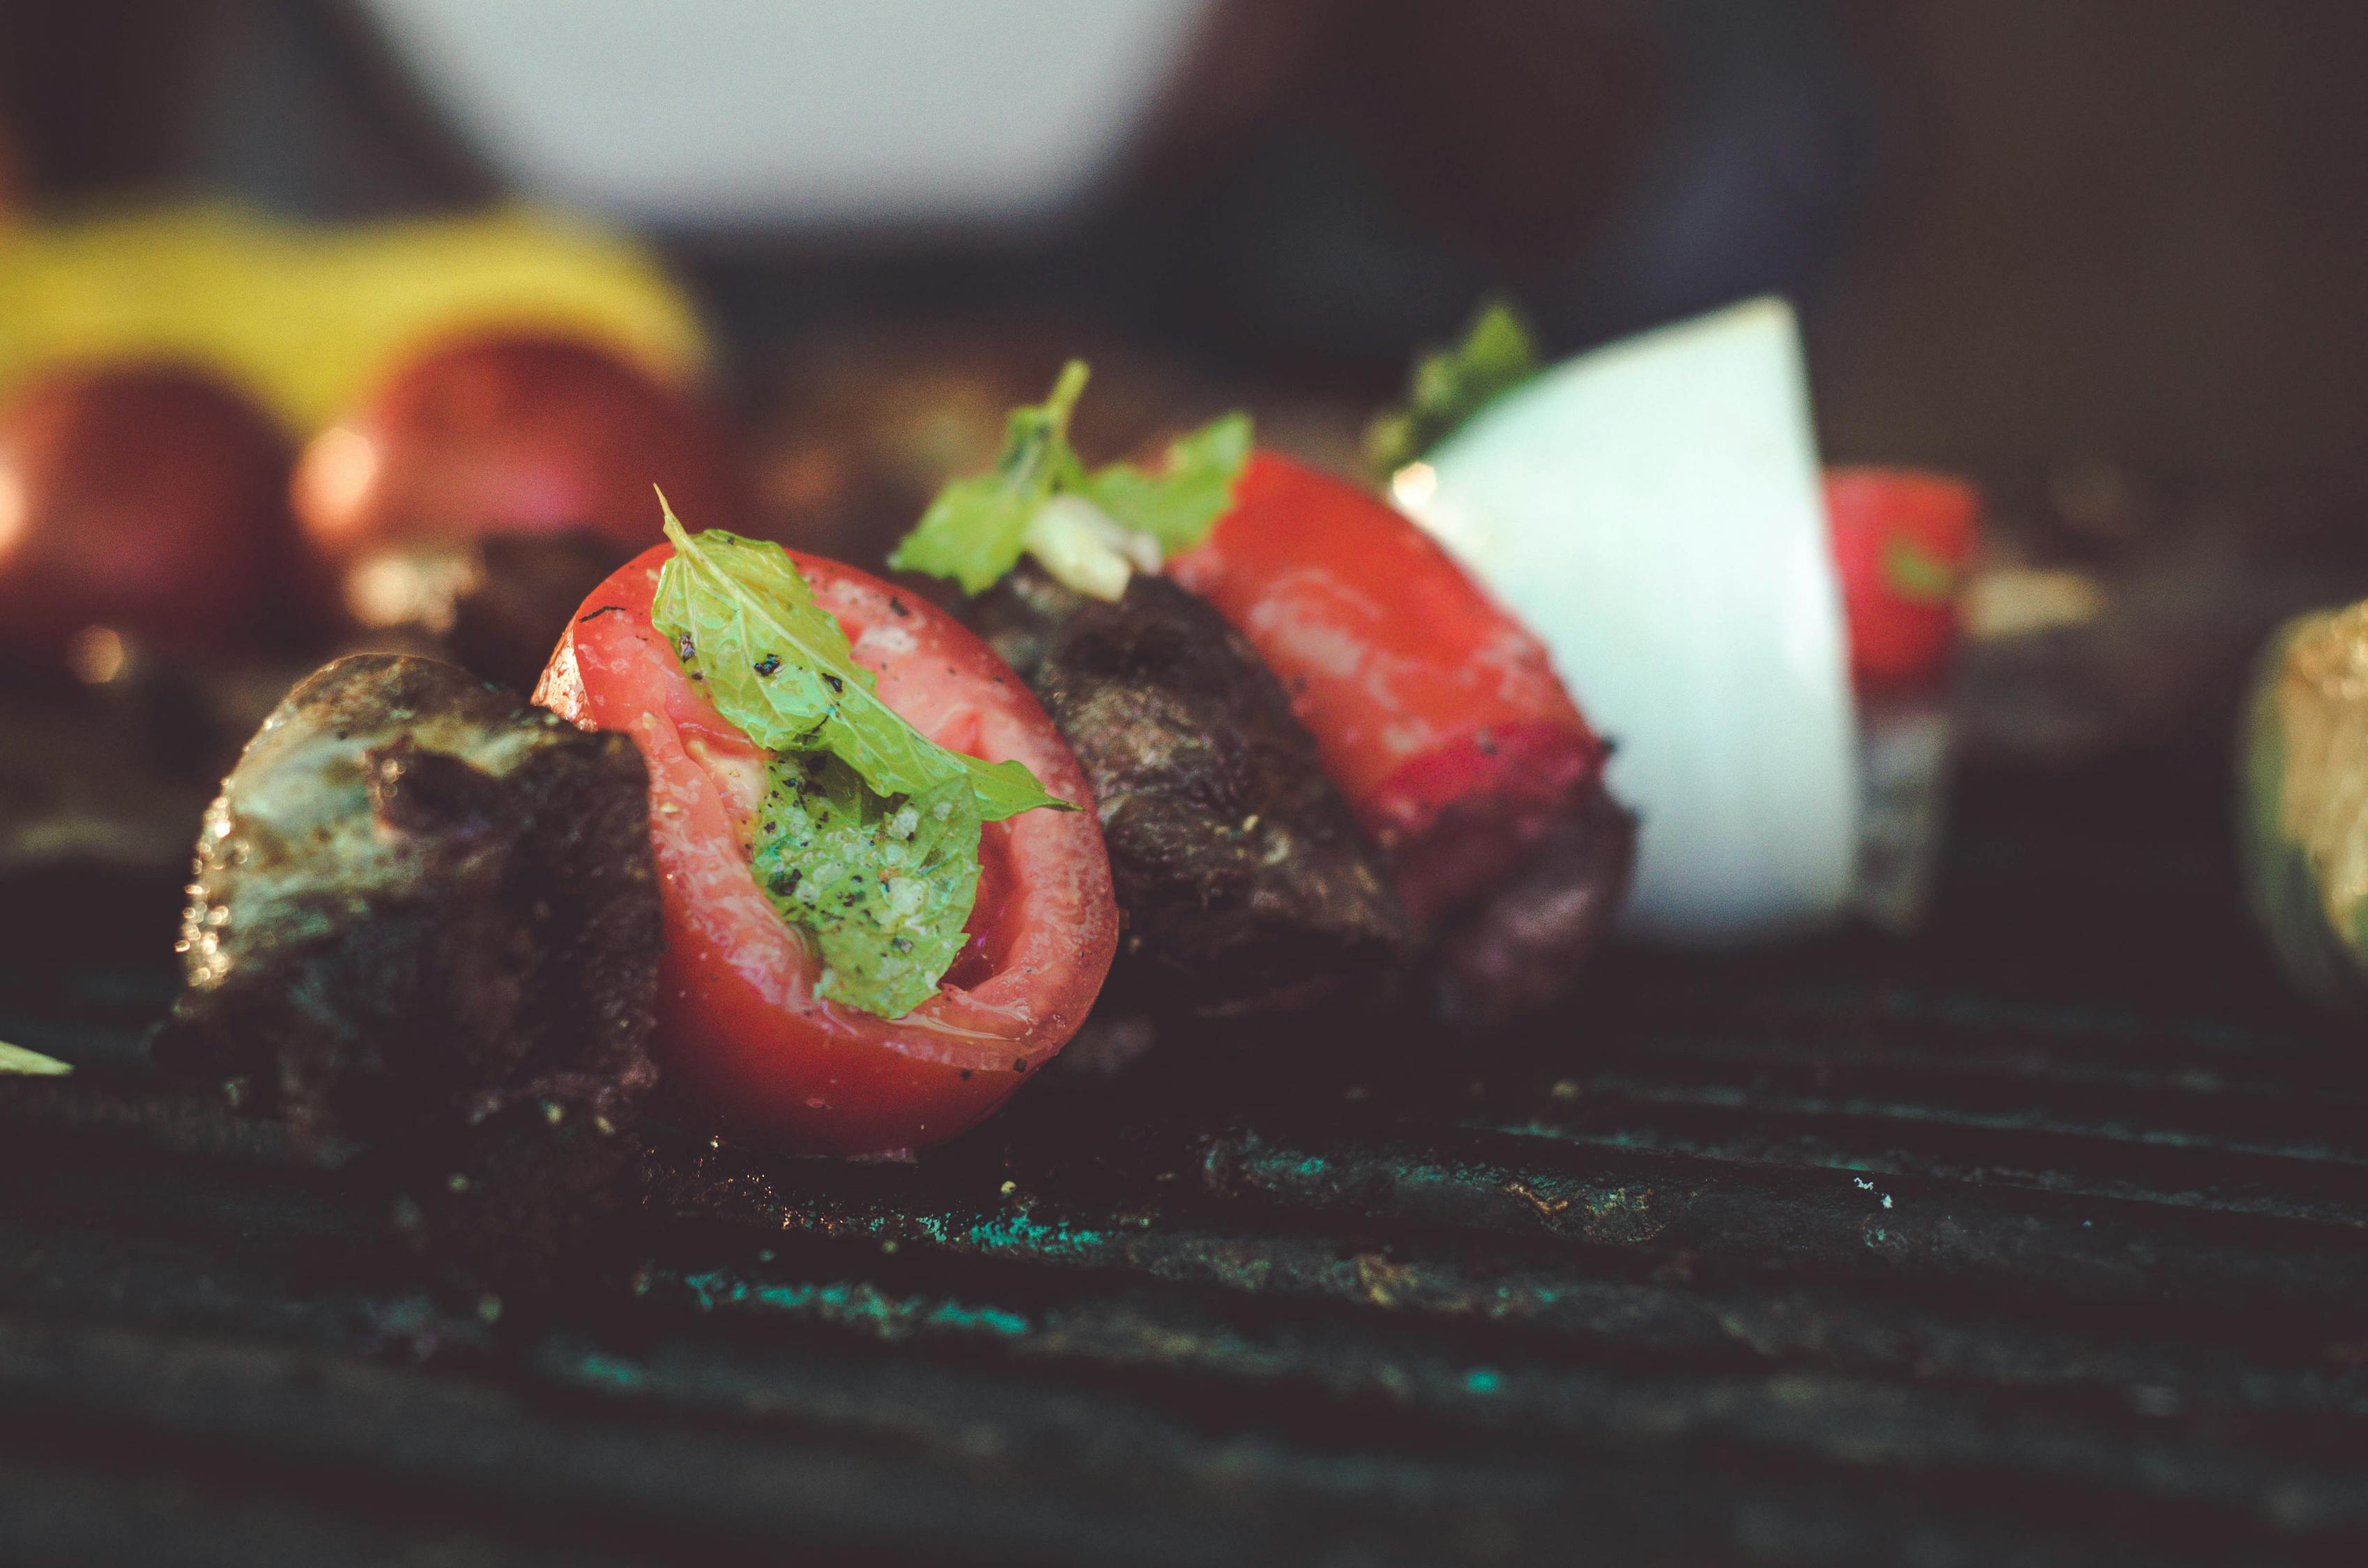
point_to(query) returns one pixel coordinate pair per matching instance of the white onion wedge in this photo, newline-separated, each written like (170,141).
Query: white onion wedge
(1653,511)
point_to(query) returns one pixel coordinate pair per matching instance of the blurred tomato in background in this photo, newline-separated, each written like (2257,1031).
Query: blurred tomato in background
(139,500)
(1905,543)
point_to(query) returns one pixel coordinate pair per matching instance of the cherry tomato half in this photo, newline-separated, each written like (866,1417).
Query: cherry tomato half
(1438,714)
(741,1035)
(1902,540)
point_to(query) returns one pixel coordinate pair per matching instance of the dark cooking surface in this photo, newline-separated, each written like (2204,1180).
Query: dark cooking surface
(2038,1239)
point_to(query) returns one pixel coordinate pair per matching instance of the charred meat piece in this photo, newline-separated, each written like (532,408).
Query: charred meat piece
(1514,950)
(506,624)
(1246,882)
(425,927)
(495,605)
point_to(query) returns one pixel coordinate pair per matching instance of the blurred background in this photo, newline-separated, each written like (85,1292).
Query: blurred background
(2097,257)
(2028,230)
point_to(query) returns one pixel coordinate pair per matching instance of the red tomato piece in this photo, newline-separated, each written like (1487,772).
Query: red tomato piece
(513,433)
(142,498)
(1902,540)
(741,1035)
(1438,714)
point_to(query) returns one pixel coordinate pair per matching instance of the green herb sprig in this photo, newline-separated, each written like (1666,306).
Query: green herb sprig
(1448,386)
(867,838)
(976,528)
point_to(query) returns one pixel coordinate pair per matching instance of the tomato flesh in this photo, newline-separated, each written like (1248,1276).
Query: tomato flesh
(742,1038)
(1438,714)
(1902,540)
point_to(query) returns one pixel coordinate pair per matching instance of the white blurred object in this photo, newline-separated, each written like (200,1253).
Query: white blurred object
(1653,511)
(796,112)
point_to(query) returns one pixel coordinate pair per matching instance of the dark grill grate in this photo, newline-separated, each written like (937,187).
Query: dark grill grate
(2043,1239)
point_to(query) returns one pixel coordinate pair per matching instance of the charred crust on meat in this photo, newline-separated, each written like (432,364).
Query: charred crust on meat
(1520,946)
(1243,881)
(424,926)
(521,592)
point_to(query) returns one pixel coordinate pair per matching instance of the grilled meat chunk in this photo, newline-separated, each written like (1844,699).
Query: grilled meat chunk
(423,926)
(507,619)
(1522,946)
(1246,883)
(495,605)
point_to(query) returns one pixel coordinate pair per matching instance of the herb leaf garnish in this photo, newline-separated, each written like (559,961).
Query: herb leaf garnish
(1178,505)
(867,838)
(1915,574)
(977,527)
(1448,386)
(777,664)
(18,1060)
(882,884)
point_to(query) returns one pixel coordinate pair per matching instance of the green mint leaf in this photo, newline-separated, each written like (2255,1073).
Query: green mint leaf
(1915,574)
(881,884)
(1180,503)
(775,662)
(973,532)
(1450,385)
(867,838)
(17,1060)
(976,528)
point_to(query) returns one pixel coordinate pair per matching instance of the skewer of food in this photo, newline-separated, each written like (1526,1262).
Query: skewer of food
(470,397)
(1221,736)
(1289,747)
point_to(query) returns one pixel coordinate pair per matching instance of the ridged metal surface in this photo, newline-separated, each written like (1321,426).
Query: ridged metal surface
(2042,1239)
